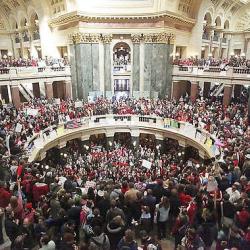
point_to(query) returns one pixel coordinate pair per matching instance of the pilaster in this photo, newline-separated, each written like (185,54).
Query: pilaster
(227,95)
(15,96)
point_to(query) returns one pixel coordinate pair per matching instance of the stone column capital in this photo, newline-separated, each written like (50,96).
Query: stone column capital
(163,37)
(137,38)
(79,37)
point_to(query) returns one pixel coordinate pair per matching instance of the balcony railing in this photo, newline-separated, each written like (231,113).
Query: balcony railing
(4,71)
(241,70)
(240,75)
(212,69)
(37,72)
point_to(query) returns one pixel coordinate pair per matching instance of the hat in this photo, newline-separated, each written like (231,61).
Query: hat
(100,193)
(29,205)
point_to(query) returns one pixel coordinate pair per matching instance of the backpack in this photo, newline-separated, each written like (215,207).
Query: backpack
(101,246)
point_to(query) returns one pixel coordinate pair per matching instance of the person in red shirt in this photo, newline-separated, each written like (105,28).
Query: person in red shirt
(4,195)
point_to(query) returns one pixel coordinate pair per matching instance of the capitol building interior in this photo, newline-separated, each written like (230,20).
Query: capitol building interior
(124,124)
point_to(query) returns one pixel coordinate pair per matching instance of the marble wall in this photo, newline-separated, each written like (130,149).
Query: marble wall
(84,69)
(107,67)
(136,67)
(158,69)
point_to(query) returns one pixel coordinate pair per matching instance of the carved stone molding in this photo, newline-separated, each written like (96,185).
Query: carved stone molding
(85,38)
(90,38)
(107,38)
(136,38)
(163,37)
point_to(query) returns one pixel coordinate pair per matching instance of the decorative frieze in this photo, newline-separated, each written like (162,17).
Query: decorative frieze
(136,38)
(163,37)
(107,38)
(159,38)
(90,38)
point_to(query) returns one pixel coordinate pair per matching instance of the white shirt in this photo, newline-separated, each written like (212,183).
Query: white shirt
(234,195)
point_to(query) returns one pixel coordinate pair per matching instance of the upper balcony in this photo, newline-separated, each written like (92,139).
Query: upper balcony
(212,74)
(26,74)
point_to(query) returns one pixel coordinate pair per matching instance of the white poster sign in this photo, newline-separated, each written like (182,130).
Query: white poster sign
(57,101)
(146,164)
(33,112)
(19,128)
(78,104)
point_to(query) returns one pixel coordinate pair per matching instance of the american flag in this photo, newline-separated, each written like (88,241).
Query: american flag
(73,124)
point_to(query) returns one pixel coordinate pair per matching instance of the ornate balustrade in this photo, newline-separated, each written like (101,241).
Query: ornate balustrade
(229,75)
(25,73)
(109,124)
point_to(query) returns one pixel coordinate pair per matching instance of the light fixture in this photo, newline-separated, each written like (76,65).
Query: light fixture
(4,56)
(10,54)
(179,154)
(243,54)
(232,54)
(177,54)
(134,143)
(47,167)
(210,54)
(110,143)
(65,54)
(203,48)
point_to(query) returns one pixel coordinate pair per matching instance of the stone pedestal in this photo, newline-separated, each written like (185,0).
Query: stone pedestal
(15,96)
(227,95)
(194,91)
(49,90)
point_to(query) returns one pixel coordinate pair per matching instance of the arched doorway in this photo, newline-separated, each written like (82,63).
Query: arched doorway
(121,69)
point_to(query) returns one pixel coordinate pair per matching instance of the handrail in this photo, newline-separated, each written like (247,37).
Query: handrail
(197,135)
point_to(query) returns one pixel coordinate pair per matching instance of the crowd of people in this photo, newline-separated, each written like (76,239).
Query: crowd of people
(233,61)
(21,62)
(103,196)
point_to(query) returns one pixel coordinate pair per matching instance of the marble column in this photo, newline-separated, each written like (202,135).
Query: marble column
(68,90)
(101,67)
(176,90)
(73,61)
(86,76)
(49,90)
(206,89)
(248,107)
(142,57)
(194,91)
(15,96)
(9,93)
(237,90)
(158,64)
(136,62)
(227,95)
(107,63)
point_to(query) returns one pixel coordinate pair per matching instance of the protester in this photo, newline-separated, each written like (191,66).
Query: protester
(99,196)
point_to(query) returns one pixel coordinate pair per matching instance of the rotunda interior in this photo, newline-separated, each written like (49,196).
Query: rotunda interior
(125,124)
